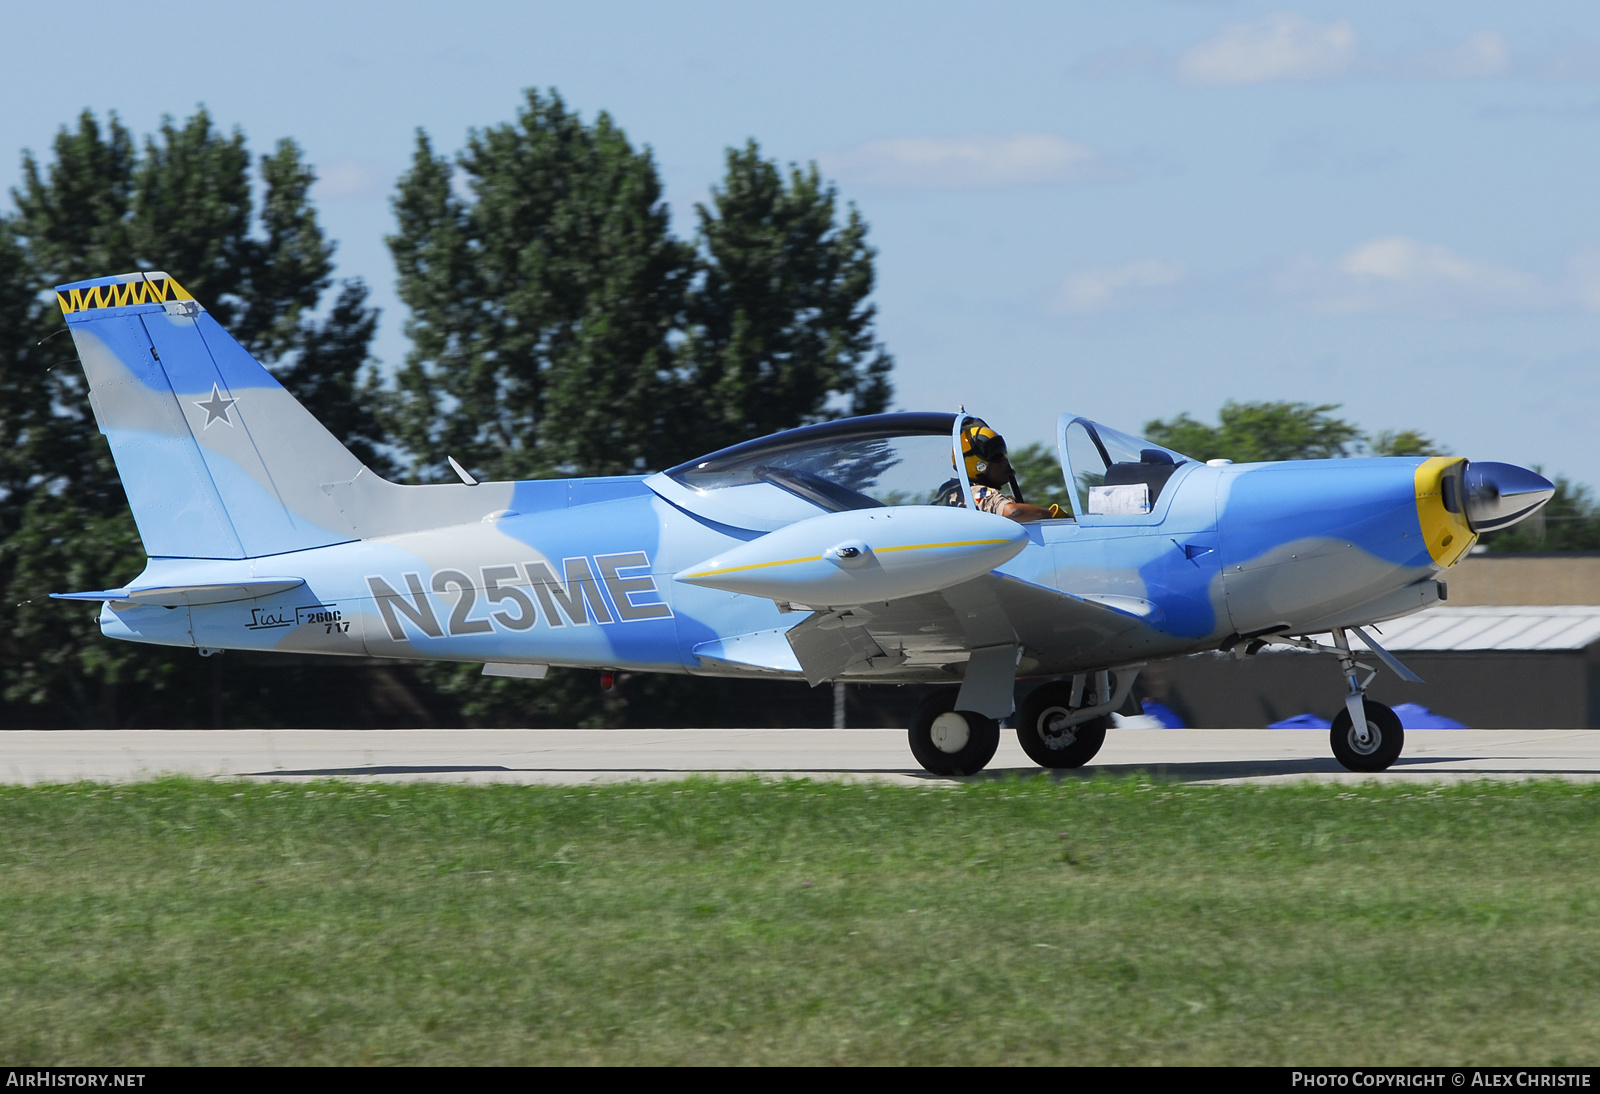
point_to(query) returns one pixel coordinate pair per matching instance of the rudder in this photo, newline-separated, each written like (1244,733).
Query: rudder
(217,458)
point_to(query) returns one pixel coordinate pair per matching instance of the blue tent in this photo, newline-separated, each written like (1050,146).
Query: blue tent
(1302,721)
(1416,716)
(1412,716)
(1163,714)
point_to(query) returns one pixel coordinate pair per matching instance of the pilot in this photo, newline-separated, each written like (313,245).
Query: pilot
(989,469)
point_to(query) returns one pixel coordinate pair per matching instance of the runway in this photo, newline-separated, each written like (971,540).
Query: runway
(576,757)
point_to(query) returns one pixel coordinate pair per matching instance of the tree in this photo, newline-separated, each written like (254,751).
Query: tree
(1039,474)
(1256,432)
(25,402)
(1403,442)
(1252,432)
(543,307)
(326,374)
(780,329)
(99,207)
(558,328)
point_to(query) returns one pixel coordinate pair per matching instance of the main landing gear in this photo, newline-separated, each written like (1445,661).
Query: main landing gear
(947,741)
(1048,731)
(1060,725)
(1366,735)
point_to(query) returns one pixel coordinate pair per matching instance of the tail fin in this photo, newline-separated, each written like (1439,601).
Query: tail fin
(218,460)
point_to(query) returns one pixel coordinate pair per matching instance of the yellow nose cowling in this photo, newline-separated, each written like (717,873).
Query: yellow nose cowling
(1441,482)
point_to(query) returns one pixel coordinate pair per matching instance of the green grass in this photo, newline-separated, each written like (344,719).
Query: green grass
(740,922)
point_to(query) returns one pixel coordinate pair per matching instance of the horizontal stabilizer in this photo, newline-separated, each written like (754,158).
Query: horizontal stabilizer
(177,596)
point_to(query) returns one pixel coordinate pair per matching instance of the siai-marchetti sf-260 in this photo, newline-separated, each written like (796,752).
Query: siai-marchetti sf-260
(839,551)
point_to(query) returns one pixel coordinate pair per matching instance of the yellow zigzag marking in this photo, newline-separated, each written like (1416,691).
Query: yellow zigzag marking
(158,290)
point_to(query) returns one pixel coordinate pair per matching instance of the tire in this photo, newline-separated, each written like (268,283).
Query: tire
(1072,746)
(1388,738)
(947,741)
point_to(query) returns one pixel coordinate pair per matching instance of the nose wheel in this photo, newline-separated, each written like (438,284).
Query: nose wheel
(1381,744)
(947,741)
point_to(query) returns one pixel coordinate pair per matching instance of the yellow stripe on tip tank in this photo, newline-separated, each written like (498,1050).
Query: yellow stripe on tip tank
(754,566)
(818,558)
(1447,534)
(953,543)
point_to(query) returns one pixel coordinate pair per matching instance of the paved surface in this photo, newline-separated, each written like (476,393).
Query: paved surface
(586,756)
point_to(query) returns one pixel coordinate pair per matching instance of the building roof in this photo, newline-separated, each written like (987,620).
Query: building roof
(1533,627)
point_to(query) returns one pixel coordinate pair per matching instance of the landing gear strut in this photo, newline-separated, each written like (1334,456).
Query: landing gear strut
(1366,735)
(1050,735)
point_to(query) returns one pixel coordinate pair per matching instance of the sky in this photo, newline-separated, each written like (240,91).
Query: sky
(1127,211)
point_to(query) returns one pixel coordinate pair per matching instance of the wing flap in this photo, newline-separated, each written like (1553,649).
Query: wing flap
(831,643)
(762,650)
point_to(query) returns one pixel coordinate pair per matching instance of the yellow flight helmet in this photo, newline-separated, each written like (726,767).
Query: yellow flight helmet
(980,447)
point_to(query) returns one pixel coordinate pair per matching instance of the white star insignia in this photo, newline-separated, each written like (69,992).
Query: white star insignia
(216,407)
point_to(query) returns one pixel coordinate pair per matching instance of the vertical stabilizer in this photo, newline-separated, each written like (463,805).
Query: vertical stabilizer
(218,460)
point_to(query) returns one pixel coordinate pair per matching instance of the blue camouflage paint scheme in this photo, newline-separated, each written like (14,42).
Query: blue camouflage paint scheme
(1208,562)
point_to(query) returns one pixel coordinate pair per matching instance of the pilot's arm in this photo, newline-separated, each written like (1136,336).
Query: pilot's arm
(1023,512)
(989,469)
(993,501)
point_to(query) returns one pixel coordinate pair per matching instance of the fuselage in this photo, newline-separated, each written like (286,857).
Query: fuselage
(580,573)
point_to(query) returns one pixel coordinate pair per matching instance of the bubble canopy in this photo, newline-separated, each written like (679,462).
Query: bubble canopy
(1112,473)
(854,463)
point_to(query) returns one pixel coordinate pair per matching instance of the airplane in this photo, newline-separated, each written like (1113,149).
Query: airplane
(814,554)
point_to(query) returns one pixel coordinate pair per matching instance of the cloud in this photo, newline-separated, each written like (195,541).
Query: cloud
(1484,53)
(1396,274)
(972,161)
(1577,60)
(1099,288)
(1583,277)
(348,179)
(1283,46)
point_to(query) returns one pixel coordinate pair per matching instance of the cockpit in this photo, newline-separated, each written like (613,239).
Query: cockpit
(899,459)
(855,463)
(1113,474)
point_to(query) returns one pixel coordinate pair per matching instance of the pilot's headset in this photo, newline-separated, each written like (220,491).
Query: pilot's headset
(982,446)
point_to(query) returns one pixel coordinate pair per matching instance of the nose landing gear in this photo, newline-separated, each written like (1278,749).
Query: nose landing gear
(1374,750)
(1366,735)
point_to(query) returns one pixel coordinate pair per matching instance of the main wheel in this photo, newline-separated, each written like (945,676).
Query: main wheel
(1385,739)
(1046,740)
(947,741)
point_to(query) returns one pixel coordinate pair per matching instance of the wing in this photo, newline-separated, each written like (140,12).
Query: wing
(931,637)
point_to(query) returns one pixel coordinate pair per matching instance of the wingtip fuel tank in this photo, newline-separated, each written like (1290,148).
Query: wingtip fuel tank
(864,556)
